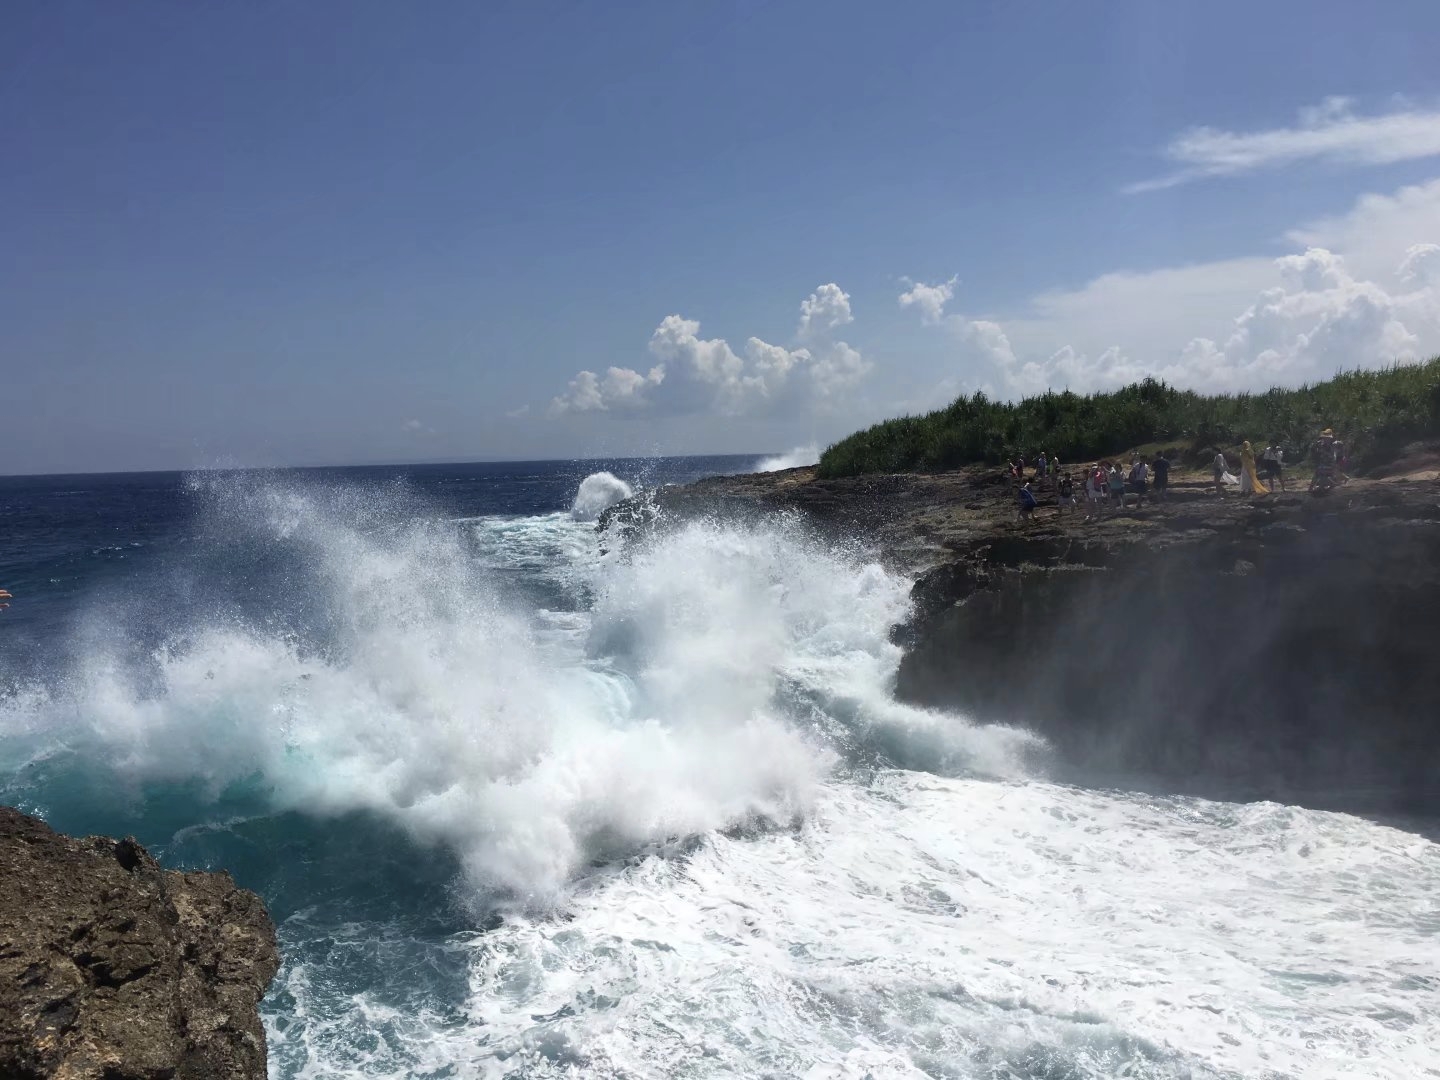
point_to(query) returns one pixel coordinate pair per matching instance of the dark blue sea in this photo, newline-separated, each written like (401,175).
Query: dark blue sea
(523,804)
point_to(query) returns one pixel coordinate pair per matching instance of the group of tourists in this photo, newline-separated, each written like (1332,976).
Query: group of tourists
(1260,475)
(1046,468)
(1264,473)
(1108,486)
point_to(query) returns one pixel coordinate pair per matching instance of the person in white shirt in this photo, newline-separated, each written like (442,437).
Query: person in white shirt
(1272,465)
(1220,467)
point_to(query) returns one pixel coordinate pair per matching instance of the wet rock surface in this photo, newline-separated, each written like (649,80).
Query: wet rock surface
(112,968)
(1274,647)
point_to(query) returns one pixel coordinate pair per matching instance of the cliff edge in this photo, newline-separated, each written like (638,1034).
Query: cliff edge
(114,969)
(1270,647)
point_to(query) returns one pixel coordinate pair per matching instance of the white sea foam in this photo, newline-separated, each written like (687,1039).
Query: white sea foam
(711,684)
(800,456)
(598,492)
(927,926)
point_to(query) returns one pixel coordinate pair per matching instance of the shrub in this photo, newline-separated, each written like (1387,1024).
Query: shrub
(1374,411)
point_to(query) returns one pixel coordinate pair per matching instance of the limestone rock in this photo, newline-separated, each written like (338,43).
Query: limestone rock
(114,969)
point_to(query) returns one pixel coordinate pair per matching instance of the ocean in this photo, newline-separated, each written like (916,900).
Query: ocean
(523,805)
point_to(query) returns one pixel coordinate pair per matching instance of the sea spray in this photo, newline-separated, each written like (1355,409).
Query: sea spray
(720,673)
(598,492)
(794,459)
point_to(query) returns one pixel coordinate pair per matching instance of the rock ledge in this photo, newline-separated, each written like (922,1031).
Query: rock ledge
(114,969)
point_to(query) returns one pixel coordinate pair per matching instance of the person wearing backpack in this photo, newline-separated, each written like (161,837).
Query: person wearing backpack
(1065,494)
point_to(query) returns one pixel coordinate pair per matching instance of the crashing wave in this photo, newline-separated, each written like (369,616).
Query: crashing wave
(798,458)
(597,493)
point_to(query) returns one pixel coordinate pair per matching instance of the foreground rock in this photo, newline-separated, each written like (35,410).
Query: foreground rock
(1279,647)
(113,969)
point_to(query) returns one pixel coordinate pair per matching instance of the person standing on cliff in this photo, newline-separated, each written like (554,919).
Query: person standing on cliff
(1161,465)
(1025,511)
(1272,463)
(1065,494)
(1220,467)
(1249,481)
(1326,455)
(1138,483)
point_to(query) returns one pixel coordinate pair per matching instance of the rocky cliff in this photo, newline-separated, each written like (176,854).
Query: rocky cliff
(1272,647)
(113,969)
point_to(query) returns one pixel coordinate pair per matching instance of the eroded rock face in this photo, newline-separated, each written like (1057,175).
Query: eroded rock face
(1276,651)
(113,969)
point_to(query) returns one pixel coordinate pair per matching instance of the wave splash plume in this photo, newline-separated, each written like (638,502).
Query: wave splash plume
(794,459)
(598,492)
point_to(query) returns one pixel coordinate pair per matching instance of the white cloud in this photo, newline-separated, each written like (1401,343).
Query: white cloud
(1372,231)
(1330,131)
(696,374)
(837,369)
(929,300)
(1318,320)
(1237,324)
(1421,265)
(988,340)
(619,388)
(827,308)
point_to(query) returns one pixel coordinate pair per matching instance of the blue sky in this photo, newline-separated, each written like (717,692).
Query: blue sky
(341,232)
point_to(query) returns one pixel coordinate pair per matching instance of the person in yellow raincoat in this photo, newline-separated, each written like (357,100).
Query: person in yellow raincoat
(1249,482)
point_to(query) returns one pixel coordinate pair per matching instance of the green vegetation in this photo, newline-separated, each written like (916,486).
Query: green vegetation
(1375,412)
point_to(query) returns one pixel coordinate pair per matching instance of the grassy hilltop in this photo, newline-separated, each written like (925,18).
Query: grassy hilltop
(1376,412)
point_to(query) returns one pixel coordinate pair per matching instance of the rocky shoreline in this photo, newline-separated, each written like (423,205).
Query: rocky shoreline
(1275,647)
(114,969)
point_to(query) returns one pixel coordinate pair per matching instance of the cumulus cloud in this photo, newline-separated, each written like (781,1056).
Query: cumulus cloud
(928,300)
(987,339)
(618,388)
(827,308)
(1319,319)
(1330,131)
(1421,265)
(1376,227)
(696,374)
(1240,324)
